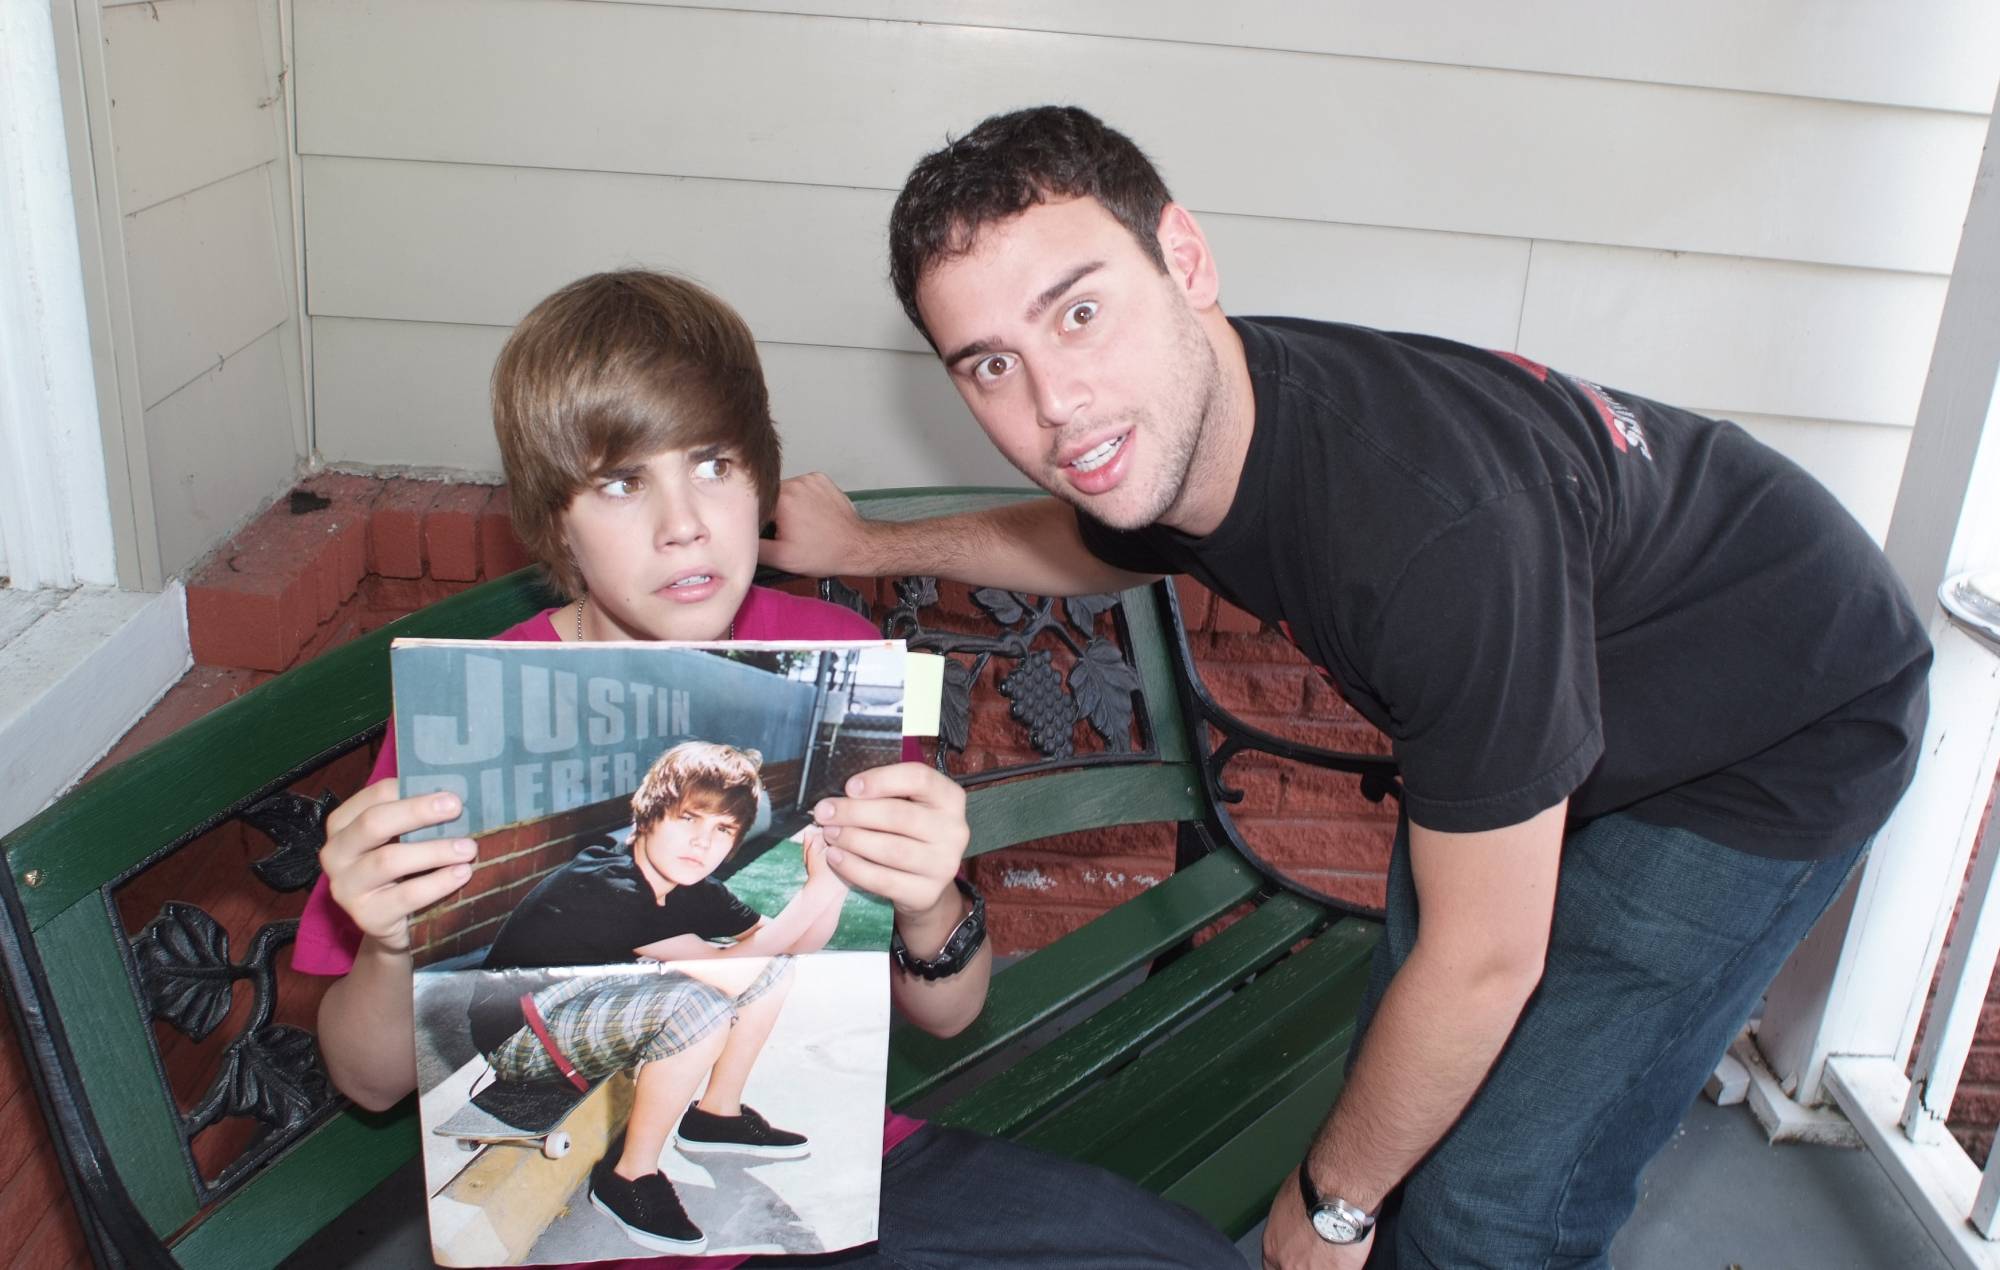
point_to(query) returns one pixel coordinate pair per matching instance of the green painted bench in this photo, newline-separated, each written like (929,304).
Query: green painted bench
(1198,1069)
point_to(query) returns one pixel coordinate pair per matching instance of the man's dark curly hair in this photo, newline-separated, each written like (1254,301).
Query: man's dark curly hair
(1003,167)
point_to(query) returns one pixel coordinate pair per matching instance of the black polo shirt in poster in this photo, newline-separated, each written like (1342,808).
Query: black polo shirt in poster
(1541,588)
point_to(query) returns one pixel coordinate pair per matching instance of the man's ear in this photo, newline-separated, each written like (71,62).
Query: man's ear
(1189,261)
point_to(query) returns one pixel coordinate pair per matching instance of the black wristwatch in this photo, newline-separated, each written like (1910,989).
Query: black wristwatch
(1334,1220)
(957,952)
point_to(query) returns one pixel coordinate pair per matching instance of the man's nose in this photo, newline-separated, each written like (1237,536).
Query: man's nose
(1060,393)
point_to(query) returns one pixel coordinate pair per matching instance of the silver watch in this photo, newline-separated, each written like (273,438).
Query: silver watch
(1333,1219)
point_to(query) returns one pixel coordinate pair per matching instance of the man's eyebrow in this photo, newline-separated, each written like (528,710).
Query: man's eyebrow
(1039,306)
(1054,293)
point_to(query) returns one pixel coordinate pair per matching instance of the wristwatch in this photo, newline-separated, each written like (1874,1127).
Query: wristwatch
(957,952)
(1333,1219)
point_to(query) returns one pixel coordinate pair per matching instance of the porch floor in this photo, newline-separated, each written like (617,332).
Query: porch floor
(1719,1197)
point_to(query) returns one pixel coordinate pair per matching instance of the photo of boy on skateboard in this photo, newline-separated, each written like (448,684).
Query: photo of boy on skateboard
(695,1029)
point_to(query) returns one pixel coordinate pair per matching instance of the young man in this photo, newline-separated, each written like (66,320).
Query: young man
(1651,689)
(636,432)
(698,1028)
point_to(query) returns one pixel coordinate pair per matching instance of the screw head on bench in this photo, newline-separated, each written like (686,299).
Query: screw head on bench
(33,877)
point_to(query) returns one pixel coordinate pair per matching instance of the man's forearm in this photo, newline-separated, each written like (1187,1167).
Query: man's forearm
(1032,547)
(1434,1037)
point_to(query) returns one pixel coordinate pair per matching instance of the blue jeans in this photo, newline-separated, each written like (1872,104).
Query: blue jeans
(1662,944)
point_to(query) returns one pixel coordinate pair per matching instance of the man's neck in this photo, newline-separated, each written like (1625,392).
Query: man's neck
(1215,471)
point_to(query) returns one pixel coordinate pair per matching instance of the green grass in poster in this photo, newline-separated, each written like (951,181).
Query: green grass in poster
(769,881)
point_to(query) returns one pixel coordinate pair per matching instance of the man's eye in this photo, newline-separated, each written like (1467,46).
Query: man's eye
(620,487)
(991,368)
(1080,314)
(715,469)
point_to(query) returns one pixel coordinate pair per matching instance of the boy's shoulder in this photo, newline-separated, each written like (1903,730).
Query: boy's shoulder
(769,614)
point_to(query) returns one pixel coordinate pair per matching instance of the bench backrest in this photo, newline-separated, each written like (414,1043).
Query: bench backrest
(257,1151)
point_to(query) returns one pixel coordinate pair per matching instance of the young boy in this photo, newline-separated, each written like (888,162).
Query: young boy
(655,896)
(636,434)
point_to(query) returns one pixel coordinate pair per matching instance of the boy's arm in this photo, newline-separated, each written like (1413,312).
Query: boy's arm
(1034,547)
(366,1028)
(942,1007)
(365,1024)
(900,833)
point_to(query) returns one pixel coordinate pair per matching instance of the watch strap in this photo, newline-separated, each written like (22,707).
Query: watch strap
(963,942)
(1361,1221)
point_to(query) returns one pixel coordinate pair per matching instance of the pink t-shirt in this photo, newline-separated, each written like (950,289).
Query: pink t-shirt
(328,939)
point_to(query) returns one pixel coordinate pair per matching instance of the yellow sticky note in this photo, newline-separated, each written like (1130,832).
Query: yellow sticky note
(923,688)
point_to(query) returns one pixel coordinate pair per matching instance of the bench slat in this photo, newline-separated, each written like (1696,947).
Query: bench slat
(1070,969)
(1123,1028)
(117,819)
(1232,1187)
(1091,798)
(114,1058)
(1152,649)
(301,1191)
(1171,1102)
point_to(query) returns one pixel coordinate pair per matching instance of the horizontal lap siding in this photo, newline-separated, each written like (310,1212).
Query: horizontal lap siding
(200,180)
(1748,210)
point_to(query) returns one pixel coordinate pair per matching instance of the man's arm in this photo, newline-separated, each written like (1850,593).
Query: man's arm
(1033,547)
(1487,901)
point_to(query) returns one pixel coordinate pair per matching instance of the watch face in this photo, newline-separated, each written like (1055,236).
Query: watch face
(1334,1228)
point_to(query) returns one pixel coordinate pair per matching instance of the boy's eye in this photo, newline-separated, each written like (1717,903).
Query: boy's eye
(715,469)
(620,486)
(991,367)
(1079,315)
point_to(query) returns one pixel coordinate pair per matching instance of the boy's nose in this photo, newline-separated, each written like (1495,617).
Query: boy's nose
(677,519)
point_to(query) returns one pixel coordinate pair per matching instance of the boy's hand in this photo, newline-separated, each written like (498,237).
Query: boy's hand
(379,881)
(819,532)
(900,833)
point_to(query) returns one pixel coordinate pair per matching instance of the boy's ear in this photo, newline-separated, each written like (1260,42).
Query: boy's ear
(1189,262)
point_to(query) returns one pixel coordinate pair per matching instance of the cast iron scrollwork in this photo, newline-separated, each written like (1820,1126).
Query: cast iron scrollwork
(270,1072)
(297,825)
(1102,686)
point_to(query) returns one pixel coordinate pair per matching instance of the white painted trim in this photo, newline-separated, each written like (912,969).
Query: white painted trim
(55,514)
(1939,1181)
(77,679)
(1783,1119)
(1861,992)
(1962,987)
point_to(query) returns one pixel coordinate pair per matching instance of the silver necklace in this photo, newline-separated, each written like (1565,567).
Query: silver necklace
(579,624)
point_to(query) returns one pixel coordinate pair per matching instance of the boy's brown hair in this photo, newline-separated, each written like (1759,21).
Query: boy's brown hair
(703,776)
(611,369)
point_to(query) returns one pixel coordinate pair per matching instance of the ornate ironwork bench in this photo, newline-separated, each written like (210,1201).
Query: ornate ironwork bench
(1202,1082)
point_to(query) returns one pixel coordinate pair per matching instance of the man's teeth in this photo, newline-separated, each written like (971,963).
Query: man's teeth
(1099,457)
(693,580)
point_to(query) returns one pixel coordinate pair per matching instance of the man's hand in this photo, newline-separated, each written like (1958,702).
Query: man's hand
(819,532)
(1291,1244)
(900,833)
(380,881)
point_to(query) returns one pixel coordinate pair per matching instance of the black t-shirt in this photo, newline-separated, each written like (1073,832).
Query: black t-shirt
(1540,588)
(597,910)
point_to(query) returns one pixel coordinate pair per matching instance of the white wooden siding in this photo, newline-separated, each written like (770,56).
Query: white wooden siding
(826,101)
(415,393)
(196,215)
(186,71)
(221,446)
(1935,54)
(1747,209)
